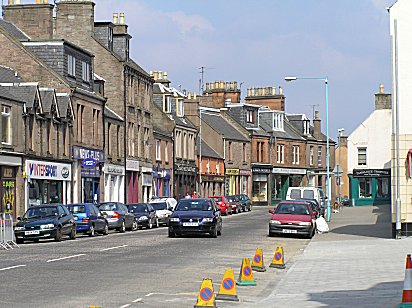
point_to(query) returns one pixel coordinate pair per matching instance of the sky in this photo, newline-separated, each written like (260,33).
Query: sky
(259,42)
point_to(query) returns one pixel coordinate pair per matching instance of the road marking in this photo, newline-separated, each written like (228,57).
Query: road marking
(64,258)
(11,267)
(124,306)
(137,300)
(173,294)
(110,248)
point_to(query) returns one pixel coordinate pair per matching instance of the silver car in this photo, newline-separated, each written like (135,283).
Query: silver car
(118,216)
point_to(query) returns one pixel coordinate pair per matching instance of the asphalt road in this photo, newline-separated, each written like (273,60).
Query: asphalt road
(140,269)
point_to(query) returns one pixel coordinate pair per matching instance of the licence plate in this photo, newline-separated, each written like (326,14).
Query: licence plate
(190,224)
(31,232)
(289,231)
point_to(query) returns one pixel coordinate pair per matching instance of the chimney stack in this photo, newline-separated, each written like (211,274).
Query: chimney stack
(382,99)
(115,18)
(121,19)
(317,126)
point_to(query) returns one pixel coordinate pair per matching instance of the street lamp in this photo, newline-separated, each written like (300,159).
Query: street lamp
(325,80)
(340,131)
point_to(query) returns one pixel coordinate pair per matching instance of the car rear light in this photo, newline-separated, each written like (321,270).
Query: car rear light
(115,215)
(220,203)
(86,219)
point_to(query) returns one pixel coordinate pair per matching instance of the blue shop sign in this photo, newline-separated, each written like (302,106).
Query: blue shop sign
(83,154)
(89,163)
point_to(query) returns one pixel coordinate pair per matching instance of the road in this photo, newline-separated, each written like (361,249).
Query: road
(140,269)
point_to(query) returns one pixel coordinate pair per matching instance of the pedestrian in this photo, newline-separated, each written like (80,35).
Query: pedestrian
(187,196)
(194,195)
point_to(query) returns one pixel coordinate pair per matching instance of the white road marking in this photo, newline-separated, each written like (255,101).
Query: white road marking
(110,248)
(137,300)
(11,267)
(124,306)
(64,258)
(173,294)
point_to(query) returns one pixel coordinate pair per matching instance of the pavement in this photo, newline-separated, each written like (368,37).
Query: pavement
(356,264)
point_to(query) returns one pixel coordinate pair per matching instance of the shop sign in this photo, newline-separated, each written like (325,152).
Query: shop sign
(371,173)
(47,170)
(83,153)
(113,169)
(213,178)
(147,179)
(232,171)
(132,165)
(185,168)
(8,172)
(288,171)
(90,172)
(146,170)
(261,170)
(89,163)
(245,172)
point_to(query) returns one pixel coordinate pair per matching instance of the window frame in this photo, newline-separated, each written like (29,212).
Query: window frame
(364,161)
(71,66)
(158,150)
(7,115)
(85,72)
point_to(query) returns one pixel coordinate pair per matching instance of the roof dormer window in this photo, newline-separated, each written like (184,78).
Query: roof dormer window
(277,121)
(71,66)
(167,104)
(306,127)
(180,111)
(250,116)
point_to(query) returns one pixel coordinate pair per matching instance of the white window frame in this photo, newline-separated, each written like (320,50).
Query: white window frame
(208,165)
(306,127)
(6,116)
(166,152)
(311,155)
(85,71)
(280,153)
(363,151)
(278,121)
(71,66)
(167,104)
(180,109)
(295,154)
(158,150)
(319,155)
(217,167)
(249,116)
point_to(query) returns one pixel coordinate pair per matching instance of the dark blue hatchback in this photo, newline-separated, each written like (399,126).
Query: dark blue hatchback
(88,219)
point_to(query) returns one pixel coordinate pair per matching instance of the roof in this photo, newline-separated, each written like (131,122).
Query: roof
(111,114)
(47,96)
(25,93)
(8,74)
(207,151)
(182,121)
(137,67)
(222,126)
(63,102)
(160,88)
(289,132)
(13,30)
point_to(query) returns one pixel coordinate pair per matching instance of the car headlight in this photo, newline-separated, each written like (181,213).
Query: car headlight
(175,219)
(48,226)
(19,228)
(304,224)
(143,218)
(275,222)
(206,219)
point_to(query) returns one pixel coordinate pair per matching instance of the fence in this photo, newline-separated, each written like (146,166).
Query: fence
(7,238)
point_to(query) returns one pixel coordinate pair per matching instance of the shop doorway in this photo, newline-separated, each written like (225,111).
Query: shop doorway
(91,190)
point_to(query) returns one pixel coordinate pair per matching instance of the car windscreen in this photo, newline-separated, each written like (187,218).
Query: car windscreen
(137,208)
(77,209)
(217,199)
(295,194)
(292,208)
(230,199)
(108,207)
(159,206)
(192,205)
(308,194)
(38,212)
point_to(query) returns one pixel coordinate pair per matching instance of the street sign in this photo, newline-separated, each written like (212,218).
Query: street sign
(337,171)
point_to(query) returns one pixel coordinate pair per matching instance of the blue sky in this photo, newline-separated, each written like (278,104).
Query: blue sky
(260,42)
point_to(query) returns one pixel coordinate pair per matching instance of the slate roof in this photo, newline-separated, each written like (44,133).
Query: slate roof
(20,93)
(63,102)
(8,74)
(289,131)
(137,67)
(111,114)
(219,124)
(182,121)
(47,96)
(207,151)
(13,30)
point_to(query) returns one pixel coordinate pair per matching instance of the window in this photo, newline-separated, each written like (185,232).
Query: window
(6,124)
(184,145)
(278,121)
(311,153)
(306,127)
(109,140)
(48,135)
(262,148)
(244,152)
(167,104)
(110,38)
(71,66)
(119,150)
(280,153)
(362,156)
(365,187)
(208,165)
(250,116)
(85,72)
(180,108)
(217,167)
(295,155)
(158,155)
(319,155)
(80,111)
(131,139)
(167,152)
(382,189)
(230,151)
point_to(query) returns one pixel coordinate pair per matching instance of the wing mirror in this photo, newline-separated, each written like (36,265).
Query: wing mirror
(271,211)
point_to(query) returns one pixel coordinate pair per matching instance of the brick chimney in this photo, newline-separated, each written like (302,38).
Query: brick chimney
(266,96)
(222,93)
(383,100)
(36,20)
(75,21)
(160,77)
(317,133)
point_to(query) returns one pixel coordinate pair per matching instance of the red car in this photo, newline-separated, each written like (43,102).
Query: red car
(292,217)
(223,204)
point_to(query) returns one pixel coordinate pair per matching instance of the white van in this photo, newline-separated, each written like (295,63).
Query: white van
(307,193)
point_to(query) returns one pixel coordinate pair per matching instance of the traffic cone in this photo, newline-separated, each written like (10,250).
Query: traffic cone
(227,291)
(407,285)
(278,258)
(257,263)
(246,275)
(206,297)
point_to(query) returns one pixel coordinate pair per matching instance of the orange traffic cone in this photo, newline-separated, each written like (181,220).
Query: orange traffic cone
(278,258)
(227,291)
(206,297)
(257,262)
(407,285)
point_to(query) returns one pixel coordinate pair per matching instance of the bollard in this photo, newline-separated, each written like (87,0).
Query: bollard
(353,202)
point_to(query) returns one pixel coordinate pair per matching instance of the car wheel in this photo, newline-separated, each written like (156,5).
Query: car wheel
(92,231)
(214,233)
(72,234)
(219,232)
(122,228)
(58,236)
(19,241)
(271,234)
(171,234)
(106,229)
(134,227)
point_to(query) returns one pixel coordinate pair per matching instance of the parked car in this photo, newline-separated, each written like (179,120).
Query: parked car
(292,217)
(145,215)
(196,216)
(245,202)
(88,219)
(345,200)
(224,205)
(294,193)
(44,222)
(118,216)
(235,204)
(315,206)
(163,208)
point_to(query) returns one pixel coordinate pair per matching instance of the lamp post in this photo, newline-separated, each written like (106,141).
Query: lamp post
(340,131)
(325,80)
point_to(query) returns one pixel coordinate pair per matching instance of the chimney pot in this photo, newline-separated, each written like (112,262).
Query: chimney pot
(235,85)
(189,96)
(273,90)
(151,73)
(249,92)
(381,88)
(115,18)
(194,95)
(165,75)
(155,74)
(222,84)
(121,19)
(316,115)
(160,75)
(280,90)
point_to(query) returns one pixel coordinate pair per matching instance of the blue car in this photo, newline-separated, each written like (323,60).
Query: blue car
(88,219)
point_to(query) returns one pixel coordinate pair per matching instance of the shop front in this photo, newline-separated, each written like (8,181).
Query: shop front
(132,180)
(47,182)
(9,167)
(213,185)
(88,170)
(232,180)
(282,179)
(184,179)
(113,183)
(161,181)
(244,182)
(147,181)
(260,185)
(370,187)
